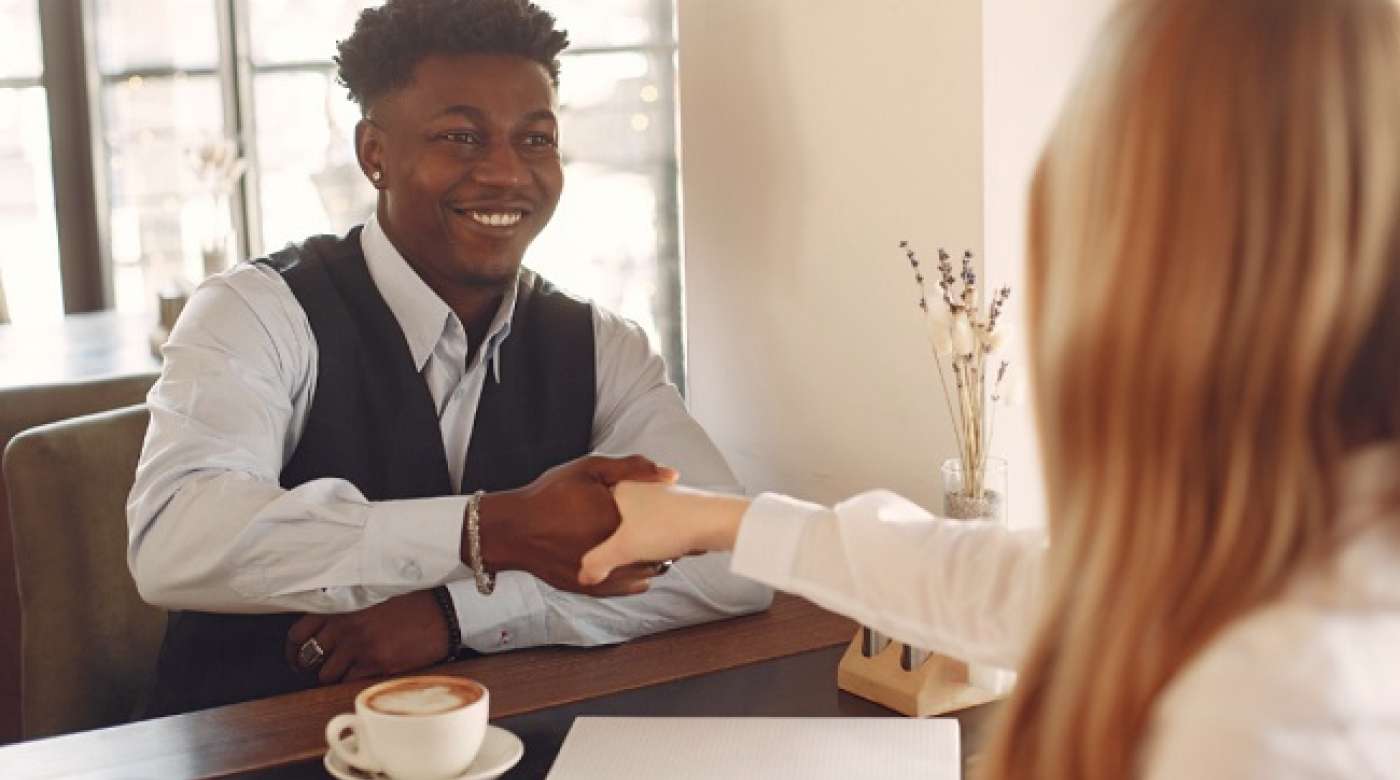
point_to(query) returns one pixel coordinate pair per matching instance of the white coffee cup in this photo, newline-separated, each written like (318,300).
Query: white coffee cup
(413,728)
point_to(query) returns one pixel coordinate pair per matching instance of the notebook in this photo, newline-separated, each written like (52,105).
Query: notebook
(768,748)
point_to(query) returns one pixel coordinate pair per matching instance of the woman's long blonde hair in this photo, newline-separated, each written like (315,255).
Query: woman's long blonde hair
(1214,296)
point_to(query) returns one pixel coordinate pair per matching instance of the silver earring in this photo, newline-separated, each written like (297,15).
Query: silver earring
(377,176)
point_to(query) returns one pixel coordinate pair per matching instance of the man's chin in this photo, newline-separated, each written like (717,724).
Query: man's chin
(490,278)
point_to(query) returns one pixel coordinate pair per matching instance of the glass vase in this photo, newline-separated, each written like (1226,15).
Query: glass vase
(987,502)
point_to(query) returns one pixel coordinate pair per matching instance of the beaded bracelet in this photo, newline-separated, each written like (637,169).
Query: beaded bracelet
(449,614)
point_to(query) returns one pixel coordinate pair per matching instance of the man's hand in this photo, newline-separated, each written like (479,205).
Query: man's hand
(546,527)
(400,635)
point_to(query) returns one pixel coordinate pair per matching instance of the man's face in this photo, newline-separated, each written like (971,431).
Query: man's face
(470,159)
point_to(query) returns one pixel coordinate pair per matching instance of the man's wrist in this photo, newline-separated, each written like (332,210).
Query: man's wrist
(449,616)
(498,513)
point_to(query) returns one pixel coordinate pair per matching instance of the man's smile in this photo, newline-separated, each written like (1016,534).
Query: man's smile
(494,217)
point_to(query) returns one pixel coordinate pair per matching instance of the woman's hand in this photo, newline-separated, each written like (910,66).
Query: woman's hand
(661,522)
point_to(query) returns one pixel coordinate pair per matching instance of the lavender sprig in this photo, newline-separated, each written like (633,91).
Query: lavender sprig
(959,332)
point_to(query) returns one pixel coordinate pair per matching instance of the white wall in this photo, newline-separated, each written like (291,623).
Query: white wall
(1031,51)
(815,136)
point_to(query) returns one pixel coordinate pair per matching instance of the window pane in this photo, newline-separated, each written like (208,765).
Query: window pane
(613,238)
(609,23)
(163,213)
(29,275)
(156,34)
(308,177)
(20,57)
(607,98)
(298,31)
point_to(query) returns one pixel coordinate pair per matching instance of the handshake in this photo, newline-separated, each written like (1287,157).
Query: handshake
(599,526)
(546,527)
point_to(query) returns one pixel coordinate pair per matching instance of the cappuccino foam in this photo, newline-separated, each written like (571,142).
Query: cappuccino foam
(423,698)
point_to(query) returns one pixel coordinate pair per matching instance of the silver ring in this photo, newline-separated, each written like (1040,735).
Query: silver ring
(663,567)
(310,654)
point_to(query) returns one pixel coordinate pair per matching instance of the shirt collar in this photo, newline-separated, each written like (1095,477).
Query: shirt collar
(421,314)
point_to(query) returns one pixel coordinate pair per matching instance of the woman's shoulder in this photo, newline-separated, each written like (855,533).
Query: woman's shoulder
(1308,686)
(1300,658)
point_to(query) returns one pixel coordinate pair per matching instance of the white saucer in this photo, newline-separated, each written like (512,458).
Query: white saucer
(500,750)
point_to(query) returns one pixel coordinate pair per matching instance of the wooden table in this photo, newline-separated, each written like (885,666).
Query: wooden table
(80,346)
(781,662)
(758,665)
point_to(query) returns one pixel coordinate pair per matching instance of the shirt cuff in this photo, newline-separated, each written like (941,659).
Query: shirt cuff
(414,543)
(769,535)
(512,616)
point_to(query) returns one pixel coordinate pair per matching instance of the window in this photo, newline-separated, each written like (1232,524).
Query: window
(615,237)
(307,179)
(30,289)
(160,98)
(176,78)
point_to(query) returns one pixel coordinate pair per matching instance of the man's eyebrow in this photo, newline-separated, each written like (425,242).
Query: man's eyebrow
(543,114)
(474,113)
(470,112)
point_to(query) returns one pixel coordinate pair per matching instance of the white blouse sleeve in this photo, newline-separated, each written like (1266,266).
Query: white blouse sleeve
(969,590)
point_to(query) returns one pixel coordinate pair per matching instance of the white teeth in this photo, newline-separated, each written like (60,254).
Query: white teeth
(497,218)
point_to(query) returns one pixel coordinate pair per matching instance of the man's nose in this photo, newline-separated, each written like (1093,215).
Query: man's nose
(500,166)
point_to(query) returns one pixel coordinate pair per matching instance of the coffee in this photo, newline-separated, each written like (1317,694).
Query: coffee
(431,696)
(413,728)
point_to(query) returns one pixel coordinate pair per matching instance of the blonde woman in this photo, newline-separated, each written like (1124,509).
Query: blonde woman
(1214,284)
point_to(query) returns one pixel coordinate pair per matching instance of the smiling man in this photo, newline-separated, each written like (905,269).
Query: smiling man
(373,452)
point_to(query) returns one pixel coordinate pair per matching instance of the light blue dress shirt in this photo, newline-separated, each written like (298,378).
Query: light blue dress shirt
(211,528)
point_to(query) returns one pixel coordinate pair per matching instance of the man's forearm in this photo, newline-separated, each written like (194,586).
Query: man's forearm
(525,612)
(227,543)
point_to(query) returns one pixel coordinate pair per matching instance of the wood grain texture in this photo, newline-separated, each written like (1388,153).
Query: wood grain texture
(795,686)
(274,732)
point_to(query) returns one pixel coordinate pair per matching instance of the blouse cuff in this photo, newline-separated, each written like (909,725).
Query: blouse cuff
(769,536)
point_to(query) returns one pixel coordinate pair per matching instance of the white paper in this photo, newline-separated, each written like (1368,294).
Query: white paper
(768,748)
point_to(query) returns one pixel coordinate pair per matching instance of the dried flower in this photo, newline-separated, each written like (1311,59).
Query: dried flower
(959,334)
(992,340)
(940,330)
(964,340)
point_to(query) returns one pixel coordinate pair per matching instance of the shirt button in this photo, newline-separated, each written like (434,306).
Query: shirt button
(411,571)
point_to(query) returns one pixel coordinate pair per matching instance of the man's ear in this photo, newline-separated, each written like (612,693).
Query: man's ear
(369,149)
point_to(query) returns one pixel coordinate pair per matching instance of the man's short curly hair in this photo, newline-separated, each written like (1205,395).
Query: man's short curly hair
(390,41)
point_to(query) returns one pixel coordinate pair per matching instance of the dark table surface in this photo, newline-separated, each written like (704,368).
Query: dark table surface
(287,733)
(797,685)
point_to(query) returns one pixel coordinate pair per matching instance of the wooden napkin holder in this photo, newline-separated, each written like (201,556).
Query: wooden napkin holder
(936,686)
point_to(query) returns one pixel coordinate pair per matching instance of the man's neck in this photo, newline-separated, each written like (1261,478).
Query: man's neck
(476,307)
(474,304)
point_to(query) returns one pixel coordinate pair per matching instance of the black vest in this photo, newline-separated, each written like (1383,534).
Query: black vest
(372,422)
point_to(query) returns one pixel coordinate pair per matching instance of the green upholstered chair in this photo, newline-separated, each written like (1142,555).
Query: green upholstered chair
(88,641)
(22,408)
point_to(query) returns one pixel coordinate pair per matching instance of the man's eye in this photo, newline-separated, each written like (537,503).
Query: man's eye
(539,140)
(462,137)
